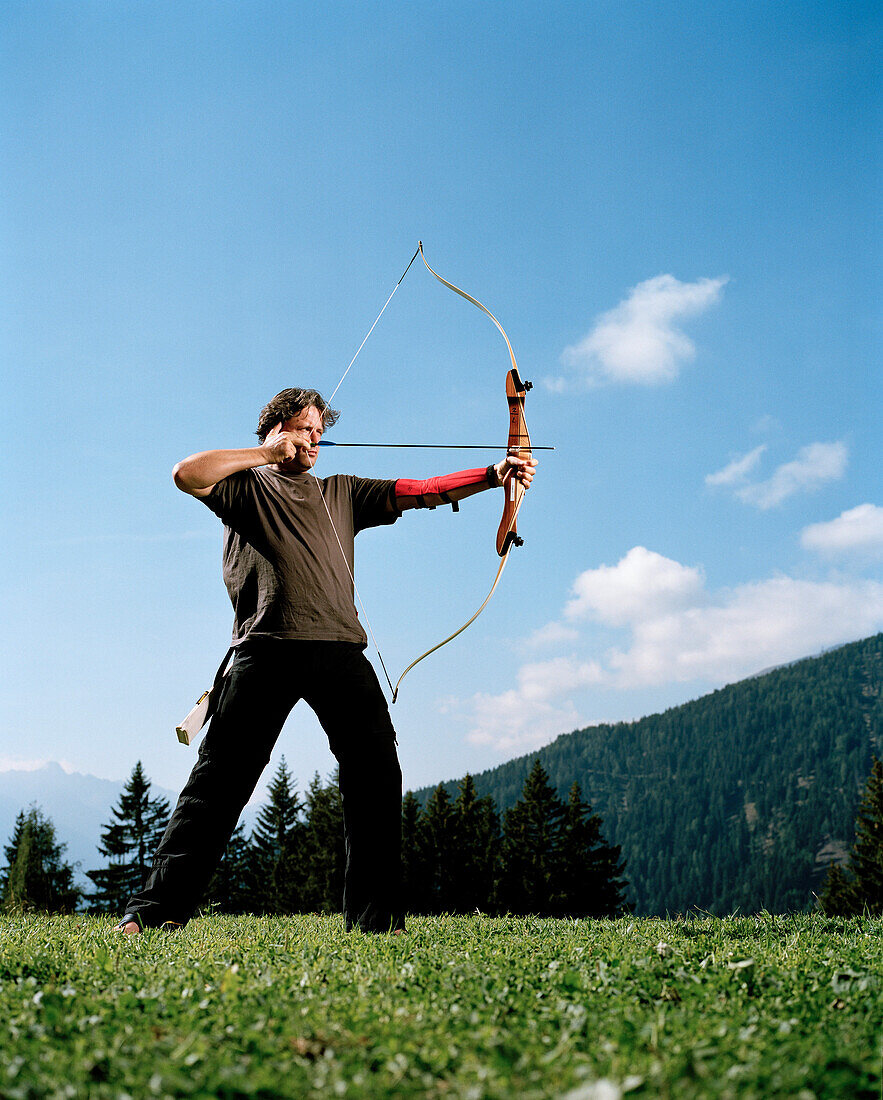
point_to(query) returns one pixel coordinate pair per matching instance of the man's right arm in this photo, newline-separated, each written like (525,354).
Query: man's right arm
(200,473)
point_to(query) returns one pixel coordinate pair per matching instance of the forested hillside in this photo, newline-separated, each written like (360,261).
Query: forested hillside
(736,801)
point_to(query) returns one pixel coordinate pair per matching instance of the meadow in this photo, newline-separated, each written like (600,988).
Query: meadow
(461,1007)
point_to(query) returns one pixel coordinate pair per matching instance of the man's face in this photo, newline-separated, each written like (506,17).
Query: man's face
(307,428)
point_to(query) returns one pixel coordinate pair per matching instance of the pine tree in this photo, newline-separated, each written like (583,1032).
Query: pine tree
(230,888)
(859,887)
(437,846)
(128,842)
(866,858)
(324,847)
(415,868)
(531,873)
(589,884)
(36,876)
(15,892)
(277,848)
(476,841)
(838,896)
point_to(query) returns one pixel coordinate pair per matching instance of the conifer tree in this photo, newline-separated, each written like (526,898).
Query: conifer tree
(476,841)
(838,897)
(324,847)
(277,848)
(866,858)
(860,887)
(437,846)
(589,869)
(36,876)
(230,889)
(128,842)
(531,871)
(415,869)
(18,855)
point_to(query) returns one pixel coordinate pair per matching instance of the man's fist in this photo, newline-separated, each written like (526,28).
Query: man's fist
(282,446)
(513,466)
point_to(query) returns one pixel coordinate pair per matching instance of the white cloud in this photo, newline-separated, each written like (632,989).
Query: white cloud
(642,585)
(814,466)
(678,632)
(638,341)
(858,529)
(748,628)
(536,710)
(551,634)
(737,471)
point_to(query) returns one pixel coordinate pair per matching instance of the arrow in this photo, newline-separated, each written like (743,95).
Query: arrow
(428,446)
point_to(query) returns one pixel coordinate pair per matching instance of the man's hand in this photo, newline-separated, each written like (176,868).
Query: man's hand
(282,446)
(513,466)
(293,446)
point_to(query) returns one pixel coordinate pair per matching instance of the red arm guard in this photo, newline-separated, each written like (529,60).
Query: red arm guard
(441,490)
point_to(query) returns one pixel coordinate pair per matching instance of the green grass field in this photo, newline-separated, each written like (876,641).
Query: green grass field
(461,1007)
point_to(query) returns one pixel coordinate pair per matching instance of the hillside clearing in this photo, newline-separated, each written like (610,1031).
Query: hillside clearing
(461,1007)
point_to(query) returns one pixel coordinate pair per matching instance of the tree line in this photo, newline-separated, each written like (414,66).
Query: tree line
(858,886)
(731,802)
(544,855)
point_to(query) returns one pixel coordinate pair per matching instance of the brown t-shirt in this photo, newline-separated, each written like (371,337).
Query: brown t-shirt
(283,567)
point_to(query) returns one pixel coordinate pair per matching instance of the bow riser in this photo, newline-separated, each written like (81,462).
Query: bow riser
(518,444)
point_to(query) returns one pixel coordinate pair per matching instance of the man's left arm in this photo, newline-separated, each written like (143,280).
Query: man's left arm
(452,488)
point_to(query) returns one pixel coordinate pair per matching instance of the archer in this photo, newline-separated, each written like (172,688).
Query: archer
(288,568)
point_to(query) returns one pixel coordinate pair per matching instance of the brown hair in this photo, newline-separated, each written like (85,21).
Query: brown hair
(289,403)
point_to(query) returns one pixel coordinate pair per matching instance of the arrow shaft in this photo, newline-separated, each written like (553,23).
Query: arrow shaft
(428,446)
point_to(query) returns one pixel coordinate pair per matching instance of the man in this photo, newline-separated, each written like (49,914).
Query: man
(288,565)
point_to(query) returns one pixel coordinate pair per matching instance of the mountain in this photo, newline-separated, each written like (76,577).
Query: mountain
(735,801)
(76,804)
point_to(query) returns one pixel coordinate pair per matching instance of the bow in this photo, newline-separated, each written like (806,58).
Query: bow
(518,444)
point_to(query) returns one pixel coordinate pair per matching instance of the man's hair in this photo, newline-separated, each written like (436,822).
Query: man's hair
(289,403)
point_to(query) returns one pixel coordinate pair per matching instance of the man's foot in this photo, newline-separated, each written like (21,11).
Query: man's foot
(130,925)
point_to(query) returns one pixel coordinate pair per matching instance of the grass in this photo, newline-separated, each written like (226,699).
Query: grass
(462,1007)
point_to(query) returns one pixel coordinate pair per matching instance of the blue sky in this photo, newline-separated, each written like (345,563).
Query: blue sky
(672,209)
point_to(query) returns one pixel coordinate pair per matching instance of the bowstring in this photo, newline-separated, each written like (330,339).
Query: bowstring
(371,329)
(322,495)
(470,621)
(355,587)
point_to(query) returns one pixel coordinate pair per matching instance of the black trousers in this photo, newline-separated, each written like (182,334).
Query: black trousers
(265,681)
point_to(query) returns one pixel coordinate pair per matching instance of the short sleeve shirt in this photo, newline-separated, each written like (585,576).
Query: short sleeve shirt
(283,567)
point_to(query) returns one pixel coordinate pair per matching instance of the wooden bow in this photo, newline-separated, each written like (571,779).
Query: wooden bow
(518,444)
